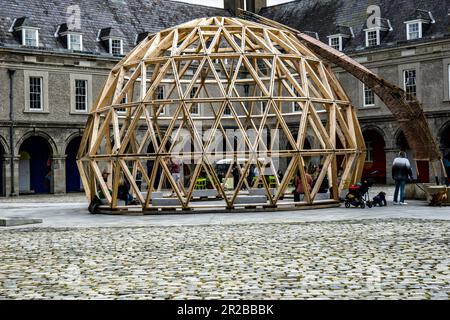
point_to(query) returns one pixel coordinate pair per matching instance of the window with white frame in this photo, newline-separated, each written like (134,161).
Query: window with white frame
(335,43)
(369,96)
(194,109)
(160,96)
(410,82)
(30,37)
(262,106)
(295,104)
(36,101)
(124,101)
(413,30)
(372,38)
(116,47)
(81,95)
(75,42)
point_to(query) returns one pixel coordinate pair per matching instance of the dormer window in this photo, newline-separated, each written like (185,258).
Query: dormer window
(112,40)
(71,38)
(372,38)
(413,30)
(373,33)
(335,42)
(340,36)
(30,37)
(26,31)
(116,47)
(75,42)
(418,22)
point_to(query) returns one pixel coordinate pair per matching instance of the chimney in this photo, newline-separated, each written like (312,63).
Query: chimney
(248,5)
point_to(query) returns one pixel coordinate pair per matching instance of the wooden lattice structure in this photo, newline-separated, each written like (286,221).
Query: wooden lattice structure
(221,74)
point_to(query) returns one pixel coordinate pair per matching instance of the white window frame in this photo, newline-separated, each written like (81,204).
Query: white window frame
(197,105)
(123,101)
(41,93)
(86,95)
(225,113)
(69,41)
(163,111)
(36,34)
(377,35)
(262,106)
(44,91)
(408,29)
(110,41)
(340,41)
(365,104)
(89,95)
(295,103)
(404,80)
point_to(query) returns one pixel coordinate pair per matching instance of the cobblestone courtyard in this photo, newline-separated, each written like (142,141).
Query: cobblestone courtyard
(390,258)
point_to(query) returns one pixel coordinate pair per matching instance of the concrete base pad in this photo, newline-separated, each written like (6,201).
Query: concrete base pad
(242,209)
(17,221)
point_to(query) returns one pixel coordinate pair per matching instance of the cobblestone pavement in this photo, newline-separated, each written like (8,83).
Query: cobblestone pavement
(395,258)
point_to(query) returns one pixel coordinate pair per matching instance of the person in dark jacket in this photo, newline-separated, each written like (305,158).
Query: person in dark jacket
(401,173)
(123,192)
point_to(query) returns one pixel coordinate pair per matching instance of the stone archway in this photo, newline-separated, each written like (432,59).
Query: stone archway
(35,165)
(444,137)
(419,168)
(375,165)
(2,170)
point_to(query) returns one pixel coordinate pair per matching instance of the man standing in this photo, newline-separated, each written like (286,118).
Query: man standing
(401,172)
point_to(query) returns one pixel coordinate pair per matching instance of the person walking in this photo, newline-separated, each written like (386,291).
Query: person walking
(401,173)
(175,170)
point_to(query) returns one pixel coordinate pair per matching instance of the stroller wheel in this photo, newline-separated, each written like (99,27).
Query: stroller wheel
(369,204)
(347,204)
(363,205)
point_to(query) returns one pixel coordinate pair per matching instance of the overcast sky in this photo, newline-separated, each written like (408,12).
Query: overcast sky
(219,3)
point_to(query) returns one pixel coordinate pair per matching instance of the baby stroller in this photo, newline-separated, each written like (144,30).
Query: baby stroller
(358,195)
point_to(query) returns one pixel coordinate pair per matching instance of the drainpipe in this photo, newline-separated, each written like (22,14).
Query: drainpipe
(11,73)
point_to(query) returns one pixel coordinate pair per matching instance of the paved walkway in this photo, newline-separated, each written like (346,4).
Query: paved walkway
(379,253)
(389,259)
(71,211)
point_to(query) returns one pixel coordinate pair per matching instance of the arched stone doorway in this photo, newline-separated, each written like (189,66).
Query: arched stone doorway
(445,147)
(73,180)
(419,168)
(375,165)
(35,166)
(2,169)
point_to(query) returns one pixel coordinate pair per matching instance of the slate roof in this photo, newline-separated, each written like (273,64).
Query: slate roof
(323,17)
(124,17)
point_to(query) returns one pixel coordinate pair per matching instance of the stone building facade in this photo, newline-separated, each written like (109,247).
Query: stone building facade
(405,42)
(54,59)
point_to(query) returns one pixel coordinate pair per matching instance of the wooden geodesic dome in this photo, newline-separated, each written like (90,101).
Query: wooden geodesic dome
(241,108)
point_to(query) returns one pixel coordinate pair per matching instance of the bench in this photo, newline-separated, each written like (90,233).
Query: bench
(260,191)
(258,199)
(206,193)
(155,194)
(162,202)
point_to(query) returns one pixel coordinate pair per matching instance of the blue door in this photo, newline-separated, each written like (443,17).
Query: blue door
(39,162)
(73,181)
